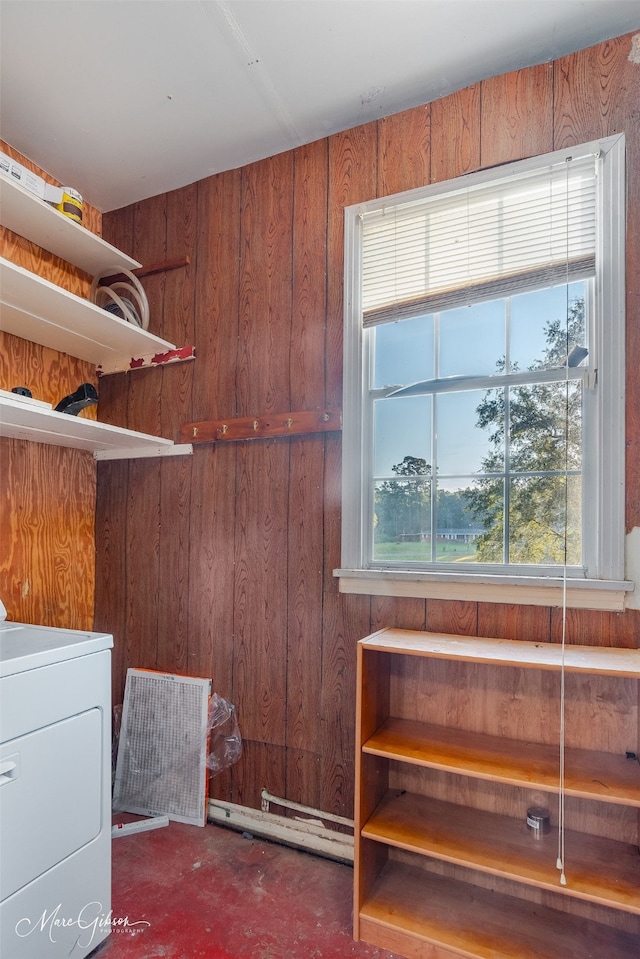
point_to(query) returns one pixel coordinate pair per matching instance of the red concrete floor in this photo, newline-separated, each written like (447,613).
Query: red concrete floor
(213,893)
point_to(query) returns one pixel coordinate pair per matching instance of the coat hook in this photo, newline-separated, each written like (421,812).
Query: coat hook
(195,430)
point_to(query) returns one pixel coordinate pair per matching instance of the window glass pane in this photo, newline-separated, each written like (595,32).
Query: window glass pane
(402,521)
(402,436)
(544,514)
(472,339)
(545,427)
(403,352)
(541,323)
(485,502)
(457,527)
(470,432)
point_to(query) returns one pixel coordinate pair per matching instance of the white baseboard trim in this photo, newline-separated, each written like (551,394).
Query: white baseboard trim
(300,833)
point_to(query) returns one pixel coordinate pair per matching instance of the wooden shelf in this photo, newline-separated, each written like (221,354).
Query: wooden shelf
(438,820)
(506,652)
(409,910)
(29,216)
(20,420)
(590,775)
(601,870)
(37,310)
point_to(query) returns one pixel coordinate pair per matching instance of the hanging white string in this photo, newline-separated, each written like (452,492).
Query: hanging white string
(560,861)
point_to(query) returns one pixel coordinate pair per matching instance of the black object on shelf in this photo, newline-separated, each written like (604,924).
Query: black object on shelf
(85,395)
(22,391)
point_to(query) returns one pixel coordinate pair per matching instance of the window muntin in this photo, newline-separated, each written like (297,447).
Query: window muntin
(468,473)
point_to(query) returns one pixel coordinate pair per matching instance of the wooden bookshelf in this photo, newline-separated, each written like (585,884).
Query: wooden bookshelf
(590,774)
(487,902)
(413,913)
(602,870)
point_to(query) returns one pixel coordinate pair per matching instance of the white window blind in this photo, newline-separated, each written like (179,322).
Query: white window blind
(479,241)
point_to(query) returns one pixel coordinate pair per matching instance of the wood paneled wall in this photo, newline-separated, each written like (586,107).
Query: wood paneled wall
(221,565)
(47,494)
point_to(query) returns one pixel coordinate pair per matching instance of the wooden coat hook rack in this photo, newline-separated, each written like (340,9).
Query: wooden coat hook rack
(261,427)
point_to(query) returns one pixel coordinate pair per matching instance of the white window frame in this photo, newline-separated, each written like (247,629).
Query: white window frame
(602,584)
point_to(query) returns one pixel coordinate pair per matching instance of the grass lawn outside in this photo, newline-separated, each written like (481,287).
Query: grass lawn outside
(449,551)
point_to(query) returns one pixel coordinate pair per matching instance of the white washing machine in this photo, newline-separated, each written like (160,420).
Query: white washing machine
(55,791)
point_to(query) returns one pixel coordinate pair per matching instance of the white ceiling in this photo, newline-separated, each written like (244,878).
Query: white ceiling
(124,99)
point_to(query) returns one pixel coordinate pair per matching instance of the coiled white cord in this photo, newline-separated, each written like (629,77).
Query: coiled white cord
(126,300)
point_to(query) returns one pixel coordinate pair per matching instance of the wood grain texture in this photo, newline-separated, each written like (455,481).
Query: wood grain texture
(400,612)
(455,134)
(217,295)
(144,515)
(283,423)
(452,616)
(143,558)
(304,616)
(149,243)
(211,567)
(47,567)
(111,564)
(176,385)
(309,276)
(262,376)
(508,621)
(262,766)
(305,569)
(265,618)
(597,95)
(486,739)
(213,501)
(47,513)
(260,588)
(602,871)
(404,150)
(114,389)
(179,309)
(262,484)
(410,913)
(211,579)
(222,565)
(173,570)
(112,557)
(517,115)
(48,374)
(352,179)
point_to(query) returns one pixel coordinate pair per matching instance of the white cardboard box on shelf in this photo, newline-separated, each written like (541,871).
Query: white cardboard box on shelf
(15,171)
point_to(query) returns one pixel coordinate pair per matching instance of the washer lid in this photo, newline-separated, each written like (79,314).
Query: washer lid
(24,647)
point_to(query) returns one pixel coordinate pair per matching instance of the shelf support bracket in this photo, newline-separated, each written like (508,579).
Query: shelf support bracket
(149,360)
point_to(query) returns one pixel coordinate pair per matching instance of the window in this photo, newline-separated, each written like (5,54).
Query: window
(483,441)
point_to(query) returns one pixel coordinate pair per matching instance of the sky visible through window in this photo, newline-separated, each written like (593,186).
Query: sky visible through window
(501,481)
(472,342)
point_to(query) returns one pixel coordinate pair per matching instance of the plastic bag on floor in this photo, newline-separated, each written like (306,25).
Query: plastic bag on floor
(225,742)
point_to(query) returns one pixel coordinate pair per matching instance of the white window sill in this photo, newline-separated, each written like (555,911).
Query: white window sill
(476,587)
